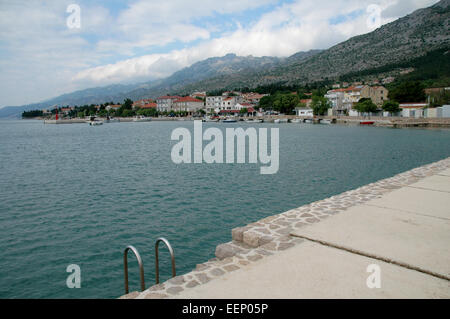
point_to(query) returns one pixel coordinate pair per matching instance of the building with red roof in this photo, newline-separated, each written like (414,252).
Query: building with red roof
(188,104)
(164,103)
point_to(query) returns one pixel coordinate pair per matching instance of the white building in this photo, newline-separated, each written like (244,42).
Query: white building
(188,104)
(304,112)
(164,103)
(413,109)
(214,103)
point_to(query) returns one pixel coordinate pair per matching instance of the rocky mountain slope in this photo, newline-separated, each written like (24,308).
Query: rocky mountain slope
(405,39)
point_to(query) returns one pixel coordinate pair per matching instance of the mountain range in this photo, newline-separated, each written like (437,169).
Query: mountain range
(400,41)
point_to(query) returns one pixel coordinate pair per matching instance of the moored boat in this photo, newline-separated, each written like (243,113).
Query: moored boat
(229,120)
(142,118)
(253,121)
(367,122)
(95,123)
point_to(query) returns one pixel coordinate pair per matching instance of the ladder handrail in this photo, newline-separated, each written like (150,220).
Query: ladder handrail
(166,242)
(125,264)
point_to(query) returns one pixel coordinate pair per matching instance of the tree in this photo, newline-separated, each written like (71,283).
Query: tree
(127,113)
(127,104)
(408,92)
(31,114)
(320,105)
(365,106)
(391,107)
(243,111)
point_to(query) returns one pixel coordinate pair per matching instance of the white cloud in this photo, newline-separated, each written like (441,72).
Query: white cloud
(297,26)
(41,58)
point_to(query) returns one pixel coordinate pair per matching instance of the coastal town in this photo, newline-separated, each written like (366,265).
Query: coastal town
(341,100)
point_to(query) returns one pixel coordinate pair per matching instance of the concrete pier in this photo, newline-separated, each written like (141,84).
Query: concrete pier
(323,250)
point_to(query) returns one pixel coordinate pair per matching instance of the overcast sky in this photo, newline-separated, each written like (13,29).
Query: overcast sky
(42,56)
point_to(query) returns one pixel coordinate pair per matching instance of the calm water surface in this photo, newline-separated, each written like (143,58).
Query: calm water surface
(75,194)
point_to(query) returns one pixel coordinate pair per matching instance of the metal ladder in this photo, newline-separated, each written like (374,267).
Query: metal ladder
(141,264)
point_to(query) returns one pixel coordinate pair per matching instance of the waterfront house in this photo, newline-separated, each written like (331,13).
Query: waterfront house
(304,111)
(188,104)
(378,94)
(438,112)
(343,100)
(143,103)
(164,103)
(415,110)
(213,103)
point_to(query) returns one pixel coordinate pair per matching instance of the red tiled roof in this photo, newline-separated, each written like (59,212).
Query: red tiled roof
(188,99)
(168,97)
(412,105)
(148,106)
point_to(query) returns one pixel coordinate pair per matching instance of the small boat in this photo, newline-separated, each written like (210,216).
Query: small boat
(325,122)
(94,122)
(229,120)
(142,118)
(367,122)
(112,120)
(309,121)
(211,119)
(296,121)
(284,120)
(276,121)
(253,121)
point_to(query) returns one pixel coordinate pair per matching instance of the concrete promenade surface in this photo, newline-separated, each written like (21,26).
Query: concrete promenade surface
(409,226)
(323,250)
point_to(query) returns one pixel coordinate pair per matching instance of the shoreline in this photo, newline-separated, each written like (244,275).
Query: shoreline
(392,122)
(271,235)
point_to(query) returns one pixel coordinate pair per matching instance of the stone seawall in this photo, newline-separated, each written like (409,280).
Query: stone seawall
(271,235)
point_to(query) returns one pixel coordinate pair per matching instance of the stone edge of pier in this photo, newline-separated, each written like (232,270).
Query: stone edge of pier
(271,234)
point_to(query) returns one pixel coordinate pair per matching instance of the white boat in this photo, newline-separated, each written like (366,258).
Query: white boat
(93,121)
(296,121)
(325,122)
(309,121)
(229,120)
(253,121)
(142,118)
(276,121)
(208,119)
(112,120)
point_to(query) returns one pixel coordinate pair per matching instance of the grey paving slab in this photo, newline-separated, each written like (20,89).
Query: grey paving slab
(435,182)
(312,270)
(445,172)
(416,240)
(415,200)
